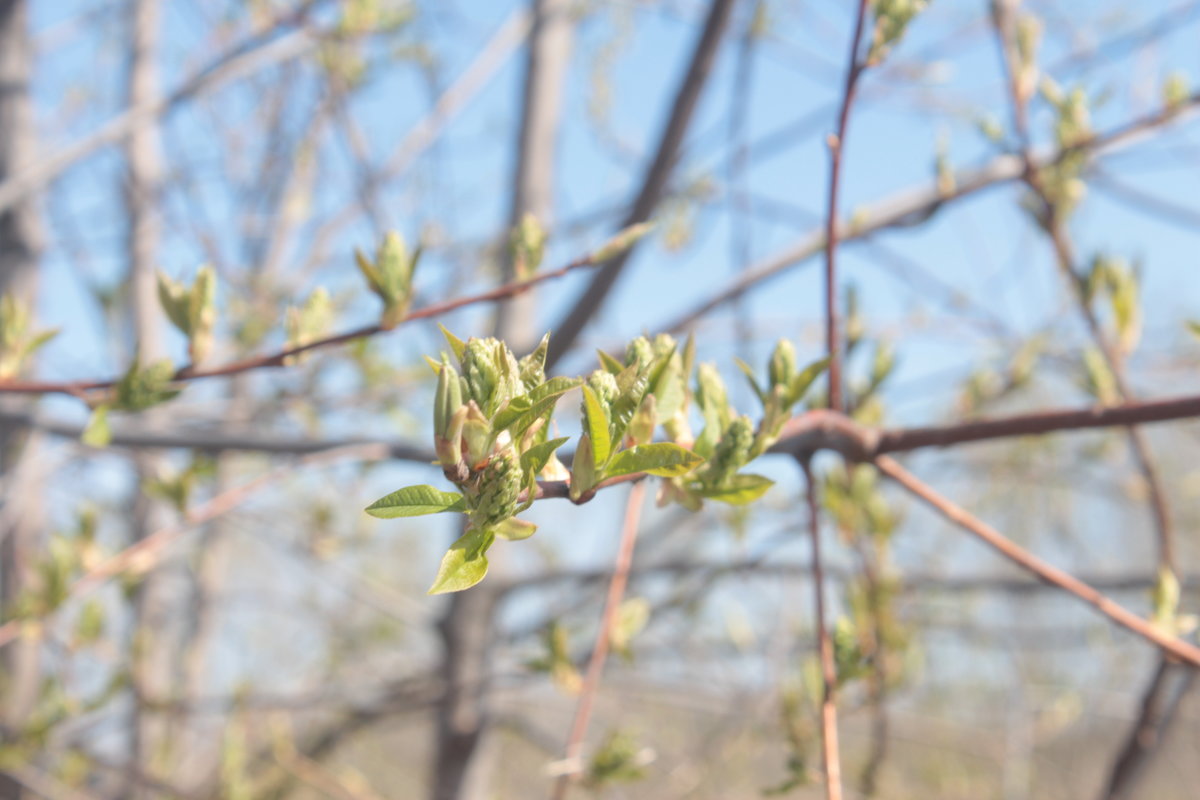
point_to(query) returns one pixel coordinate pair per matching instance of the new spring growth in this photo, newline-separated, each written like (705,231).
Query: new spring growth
(191,309)
(390,277)
(309,322)
(528,246)
(17,341)
(492,414)
(891,20)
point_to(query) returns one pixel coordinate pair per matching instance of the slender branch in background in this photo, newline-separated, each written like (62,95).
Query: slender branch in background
(1142,740)
(741,221)
(1023,558)
(837,147)
(917,205)
(280,358)
(830,752)
(877,682)
(654,184)
(148,552)
(156,602)
(547,63)
(240,61)
(422,136)
(1156,709)
(573,752)
(309,771)
(22,467)
(499,47)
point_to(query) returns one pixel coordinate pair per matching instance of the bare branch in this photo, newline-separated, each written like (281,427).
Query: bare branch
(655,181)
(830,752)
(572,754)
(837,148)
(1172,645)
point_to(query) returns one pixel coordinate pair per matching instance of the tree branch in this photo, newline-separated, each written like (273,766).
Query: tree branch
(837,148)
(918,204)
(572,754)
(655,181)
(1172,645)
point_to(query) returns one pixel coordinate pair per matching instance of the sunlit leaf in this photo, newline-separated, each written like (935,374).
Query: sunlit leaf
(416,501)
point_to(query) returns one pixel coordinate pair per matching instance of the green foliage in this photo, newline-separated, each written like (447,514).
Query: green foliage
(17,340)
(192,309)
(415,501)
(556,659)
(492,412)
(527,244)
(465,563)
(891,21)
(390,276)
(1175,92)
(1118,281)
(1062,180)
(633,615)
(618,759)
(309,322)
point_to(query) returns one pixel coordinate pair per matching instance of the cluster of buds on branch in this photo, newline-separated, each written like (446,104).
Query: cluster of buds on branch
(492,416)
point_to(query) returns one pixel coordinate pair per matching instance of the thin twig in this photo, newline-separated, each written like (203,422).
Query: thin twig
(591,680)
(654,183)
(1050,574)
(281,357)
(244,59)
(916,205)
(830,752)
(836,148)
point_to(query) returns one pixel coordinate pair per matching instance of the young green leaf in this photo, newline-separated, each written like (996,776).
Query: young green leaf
(416,501)
(536,457)
(143,387)
(465,563)
(97,433)
(748,371)
(597,427)
(514,530)
(309,322)
(738,490)
(583,468)
(457,345)
(523,411)
(802,381)
(664,459)
(609,363)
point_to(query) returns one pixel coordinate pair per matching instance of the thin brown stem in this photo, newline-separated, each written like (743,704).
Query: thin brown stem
(830,752)
(591,680)
(836,149)
(282,357)
(1023,558)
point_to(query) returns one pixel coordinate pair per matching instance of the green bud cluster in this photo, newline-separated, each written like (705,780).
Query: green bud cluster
(732,452)
(496,491)
(492,413)
(491,373)
(891,20)
(604,384)
(390,276)
(639,352)
(192,309)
